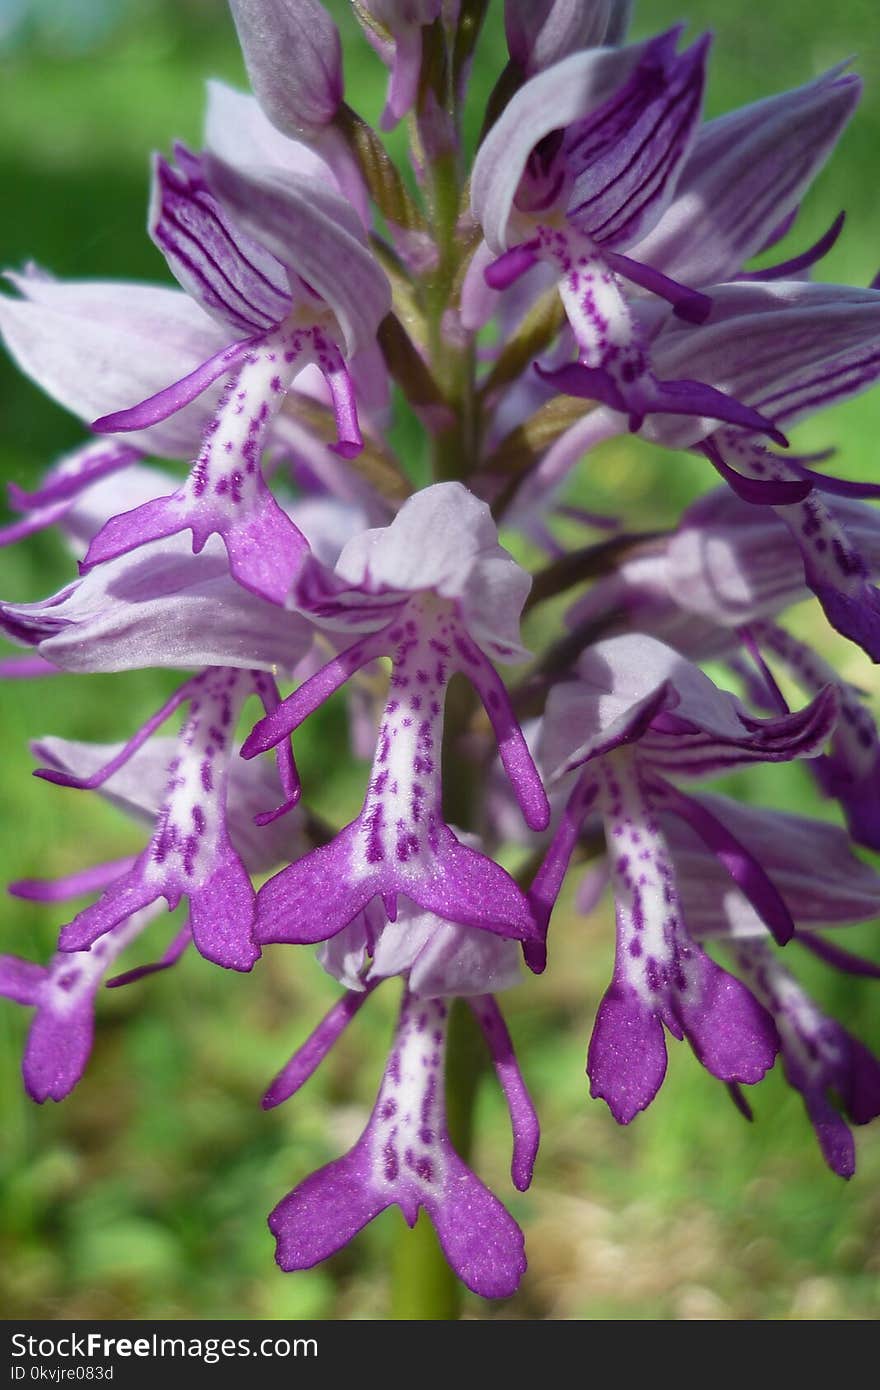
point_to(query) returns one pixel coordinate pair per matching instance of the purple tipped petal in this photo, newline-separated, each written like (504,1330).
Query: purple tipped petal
(128,750)
(125,896)
(464,886)
(222,914)
(789,270)
(58,890)
(856,615)
(478,1236)
(549,879)
(320,894)
(306,1060)
(349,442)
(512,747)
(626,1062)
(316,897)
(165,962)
(731,1034)
(323,1214)
(281,722)
(20,980)
(835,955)
(523,1119)
(173,398)
(57,1050)
(834,1135)
(690,305)
(97,461)
(264,546)
(17,668)
(761,492)
(825,482)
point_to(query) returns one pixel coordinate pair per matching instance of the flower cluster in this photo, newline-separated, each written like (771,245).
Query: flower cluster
(587,277)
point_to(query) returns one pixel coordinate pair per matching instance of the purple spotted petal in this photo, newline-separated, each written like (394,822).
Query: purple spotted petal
(321,893)
(548,881)
(168,958)
(58,890)
(405,1157)
(478,1236)
(790,269)
(60,1038)
(650,396)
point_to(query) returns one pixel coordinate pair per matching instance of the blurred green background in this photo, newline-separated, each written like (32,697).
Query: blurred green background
(145,1194)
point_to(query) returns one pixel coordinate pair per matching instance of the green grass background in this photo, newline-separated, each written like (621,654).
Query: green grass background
(145,1194)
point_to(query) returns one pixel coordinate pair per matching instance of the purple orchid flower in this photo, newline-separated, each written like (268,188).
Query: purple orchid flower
(63,993)
(294,276)
(436,592)
(823,884)
(711,588)
(190,853)
(787,349)
(818,1056)
(580,166)
(405,1156)
(637,715)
